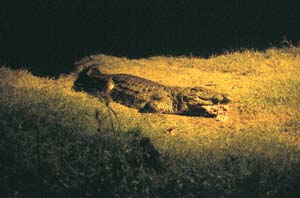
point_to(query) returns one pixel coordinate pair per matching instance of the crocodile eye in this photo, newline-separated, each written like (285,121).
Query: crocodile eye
(194,89)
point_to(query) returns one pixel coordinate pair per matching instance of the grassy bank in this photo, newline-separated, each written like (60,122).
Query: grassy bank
(58,142)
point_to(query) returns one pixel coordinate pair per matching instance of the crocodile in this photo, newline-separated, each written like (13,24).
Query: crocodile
(147,95)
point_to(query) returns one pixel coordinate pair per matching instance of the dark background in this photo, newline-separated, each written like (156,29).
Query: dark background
(47,36)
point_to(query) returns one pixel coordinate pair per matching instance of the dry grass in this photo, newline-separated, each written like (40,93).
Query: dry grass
(260,140)
(264,88)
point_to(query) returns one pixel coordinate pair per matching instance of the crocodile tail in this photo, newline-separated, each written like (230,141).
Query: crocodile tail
(81,79)
(84,80)
(90,79)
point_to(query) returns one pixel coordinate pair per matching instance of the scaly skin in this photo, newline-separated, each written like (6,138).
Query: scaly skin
(148,96)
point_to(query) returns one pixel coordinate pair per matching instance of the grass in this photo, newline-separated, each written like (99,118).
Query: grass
(52,135)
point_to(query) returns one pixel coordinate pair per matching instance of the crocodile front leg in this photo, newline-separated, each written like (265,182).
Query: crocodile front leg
(160,102)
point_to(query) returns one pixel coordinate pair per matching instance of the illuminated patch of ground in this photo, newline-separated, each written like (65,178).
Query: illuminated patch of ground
(264,88)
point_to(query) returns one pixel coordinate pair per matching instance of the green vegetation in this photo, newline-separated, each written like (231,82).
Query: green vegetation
(56,142)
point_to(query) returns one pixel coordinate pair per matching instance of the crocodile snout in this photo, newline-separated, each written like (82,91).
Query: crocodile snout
(220,99)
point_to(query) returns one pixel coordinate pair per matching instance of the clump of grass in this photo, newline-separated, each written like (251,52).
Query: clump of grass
(46,160)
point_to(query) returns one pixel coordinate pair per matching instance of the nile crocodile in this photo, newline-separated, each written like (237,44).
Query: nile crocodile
(148,96)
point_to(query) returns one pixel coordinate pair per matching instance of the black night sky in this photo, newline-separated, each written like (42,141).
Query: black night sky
(47,36)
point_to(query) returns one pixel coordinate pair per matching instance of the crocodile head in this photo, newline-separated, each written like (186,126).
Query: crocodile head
(200,101)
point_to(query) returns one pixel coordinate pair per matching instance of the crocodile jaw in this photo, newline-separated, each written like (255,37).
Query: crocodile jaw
(208,107)
(218,111)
